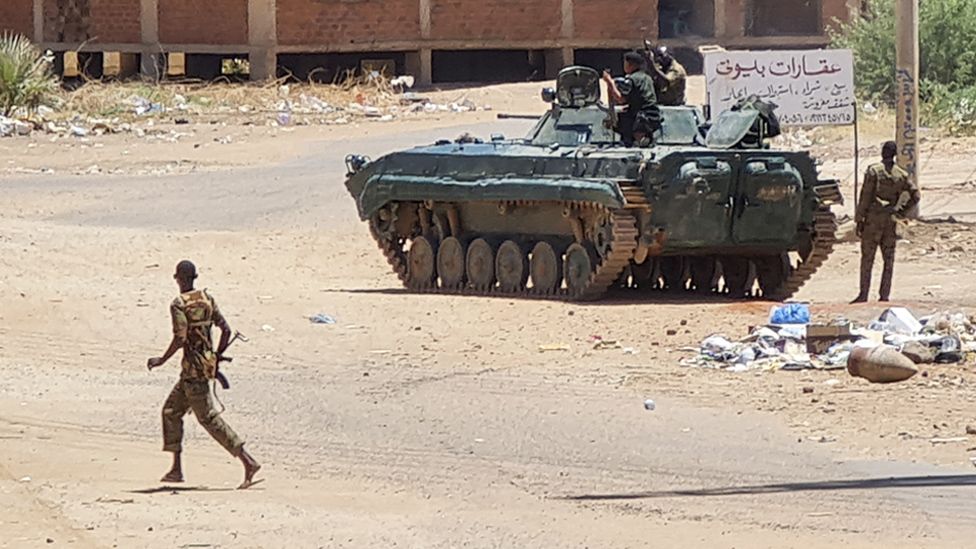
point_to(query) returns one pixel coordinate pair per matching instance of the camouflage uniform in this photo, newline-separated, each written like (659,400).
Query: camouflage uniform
(885,195)
(672,94)
(194,314)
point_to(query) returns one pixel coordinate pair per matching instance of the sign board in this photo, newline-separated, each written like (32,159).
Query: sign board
(811,88)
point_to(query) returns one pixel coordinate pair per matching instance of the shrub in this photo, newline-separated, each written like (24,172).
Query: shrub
(947,64)
(26,79)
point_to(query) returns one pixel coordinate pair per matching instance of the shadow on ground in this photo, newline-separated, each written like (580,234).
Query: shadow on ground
(941,481)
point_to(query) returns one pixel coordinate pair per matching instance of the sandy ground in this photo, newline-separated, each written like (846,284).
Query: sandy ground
(432,421)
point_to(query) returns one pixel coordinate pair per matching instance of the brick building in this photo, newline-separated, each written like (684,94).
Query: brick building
(436,40)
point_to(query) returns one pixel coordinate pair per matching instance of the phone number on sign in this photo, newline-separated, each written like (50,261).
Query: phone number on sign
(813,119)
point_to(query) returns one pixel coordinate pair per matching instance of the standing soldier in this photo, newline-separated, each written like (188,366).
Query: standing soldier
(194,313)
(670,77)
(887,194)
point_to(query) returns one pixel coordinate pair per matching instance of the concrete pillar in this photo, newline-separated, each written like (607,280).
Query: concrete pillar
(425,19)
(152,63)
(720,24)
(906,77)
(38,21)
(262,37)
(568,26)
(419,65)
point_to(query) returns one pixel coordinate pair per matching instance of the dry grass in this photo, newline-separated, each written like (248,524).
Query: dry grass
(98,99)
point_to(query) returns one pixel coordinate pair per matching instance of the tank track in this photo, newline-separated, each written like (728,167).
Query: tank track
(623,245)
(824,238)
(605,273)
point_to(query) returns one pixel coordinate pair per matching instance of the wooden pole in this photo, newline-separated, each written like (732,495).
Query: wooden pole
(906,78)
(857,157)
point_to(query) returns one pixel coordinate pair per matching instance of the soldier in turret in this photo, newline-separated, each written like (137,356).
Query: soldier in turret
(637,124)
(670,77)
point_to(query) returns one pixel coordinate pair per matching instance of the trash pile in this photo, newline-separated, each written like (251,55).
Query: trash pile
(790,342)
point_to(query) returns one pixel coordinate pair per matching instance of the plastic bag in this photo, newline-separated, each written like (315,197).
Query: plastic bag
(790,313)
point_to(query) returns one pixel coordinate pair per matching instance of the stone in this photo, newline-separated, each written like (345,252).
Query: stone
(918,352)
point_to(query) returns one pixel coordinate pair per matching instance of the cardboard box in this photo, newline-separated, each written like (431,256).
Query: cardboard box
(820,338)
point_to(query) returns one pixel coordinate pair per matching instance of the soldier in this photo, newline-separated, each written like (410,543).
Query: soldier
(669,78)
(887,194)
(641,118)
(194,313)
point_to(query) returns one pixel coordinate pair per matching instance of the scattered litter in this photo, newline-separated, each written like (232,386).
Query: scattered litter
(545,348)
(401,82)
(947,440)
(6,126)
(267,328)
(322,318)
(630,351)
(649,405)
(25,479)
(115,500)
(605,344)
(899,320)
(413,98)
(143,107)
(822,439)
(78,131)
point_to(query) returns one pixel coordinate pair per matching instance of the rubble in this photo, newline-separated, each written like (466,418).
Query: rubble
(941,338)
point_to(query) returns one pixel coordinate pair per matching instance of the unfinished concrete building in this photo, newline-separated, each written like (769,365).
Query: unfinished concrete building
(435,40)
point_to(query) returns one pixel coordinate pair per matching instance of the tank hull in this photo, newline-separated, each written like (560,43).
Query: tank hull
(668,218)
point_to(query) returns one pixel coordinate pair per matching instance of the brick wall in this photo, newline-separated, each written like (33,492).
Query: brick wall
(113,21)
(17,16)
(496,19)
(116,21)
(635,20)
(203,21)
(347,21)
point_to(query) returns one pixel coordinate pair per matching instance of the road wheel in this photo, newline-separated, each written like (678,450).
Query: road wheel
(480,265)
(511,267)
(577,268)
(450,262)
(421,264)
(546,269)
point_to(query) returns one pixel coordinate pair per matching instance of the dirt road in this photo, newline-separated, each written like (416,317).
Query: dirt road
(427,421)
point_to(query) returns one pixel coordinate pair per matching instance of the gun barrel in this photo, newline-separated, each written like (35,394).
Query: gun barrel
(508,116)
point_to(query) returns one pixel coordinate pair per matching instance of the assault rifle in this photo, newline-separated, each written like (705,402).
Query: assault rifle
(221,378)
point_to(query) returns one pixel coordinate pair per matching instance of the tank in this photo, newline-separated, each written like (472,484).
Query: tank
(568,212)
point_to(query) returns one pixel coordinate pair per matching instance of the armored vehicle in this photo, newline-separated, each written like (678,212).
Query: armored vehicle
(570,213)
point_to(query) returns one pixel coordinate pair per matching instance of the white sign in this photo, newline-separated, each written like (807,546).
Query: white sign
(811,88)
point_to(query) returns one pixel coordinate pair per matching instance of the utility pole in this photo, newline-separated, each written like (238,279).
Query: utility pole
(906,78)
